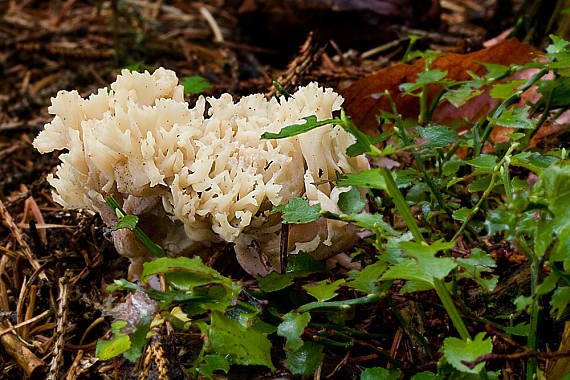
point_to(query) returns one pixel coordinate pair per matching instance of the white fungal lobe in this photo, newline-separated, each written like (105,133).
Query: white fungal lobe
(209,176)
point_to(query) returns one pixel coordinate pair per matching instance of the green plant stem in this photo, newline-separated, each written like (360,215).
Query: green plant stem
(534,309)
(515,97)
(407,327)
(137,231)
(440,288)
(449,306)
(339,304)
(401,205)
(419,160)
(496,171)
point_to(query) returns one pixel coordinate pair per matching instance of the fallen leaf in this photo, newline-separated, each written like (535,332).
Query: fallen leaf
(362,102)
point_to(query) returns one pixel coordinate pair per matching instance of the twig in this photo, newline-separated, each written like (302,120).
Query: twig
(60,330)
(16,233)
(26,322)
(517,355)
(218,37)
(25,358)
(29,311)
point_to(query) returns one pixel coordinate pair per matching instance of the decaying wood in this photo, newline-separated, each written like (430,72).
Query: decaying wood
(30,363)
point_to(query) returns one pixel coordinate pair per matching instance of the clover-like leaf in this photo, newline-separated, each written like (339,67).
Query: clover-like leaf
(439,136)
(424,266)
(456,351)
(298,211)
(323,290)
(515,117)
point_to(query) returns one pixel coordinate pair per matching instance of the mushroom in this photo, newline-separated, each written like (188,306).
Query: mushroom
(196,181)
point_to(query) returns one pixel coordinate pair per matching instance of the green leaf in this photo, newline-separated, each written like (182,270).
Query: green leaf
(298,211)
(281,89)
(195,84)
(425,78)
(461,214)
(275,281)
(515,117)
(522,302)
(210,363)
(126,221)
(533,161)
(188,274)
(299,265)
(296,129)
(425,376)
(504,90)
(547,285)
(480,184)
(245,346)
(123,285)
(152,246)
(451,167)
(323,291)
(439,136)
(484,161)
(457,350)
(559,45)
(303,264)
(377,373)
(559,301)
(558,89)
(292,328)
(350,201)
(305,360)
(195,272)
(494,70)
(372,222)
(138,340)
(461,95)
(499,220)
(477,263)
(555,180)
(367,279)
(424,266)
(521,329)
(371,178)
(107,349)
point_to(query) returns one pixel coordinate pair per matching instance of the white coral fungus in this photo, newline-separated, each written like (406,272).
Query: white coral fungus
(211,177)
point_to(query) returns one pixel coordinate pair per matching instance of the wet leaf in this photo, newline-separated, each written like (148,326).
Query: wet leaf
(292,328)
(305,360)
(350,201)
(245,346)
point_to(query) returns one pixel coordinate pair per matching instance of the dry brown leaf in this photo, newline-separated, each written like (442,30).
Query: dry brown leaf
(363,107)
